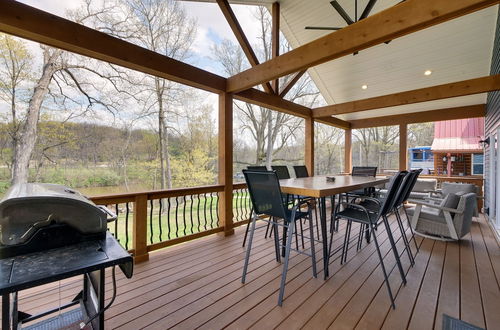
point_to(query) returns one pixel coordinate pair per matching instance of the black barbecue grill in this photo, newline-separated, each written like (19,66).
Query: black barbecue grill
(50,232)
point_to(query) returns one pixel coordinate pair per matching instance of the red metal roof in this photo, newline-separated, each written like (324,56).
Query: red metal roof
(461,135)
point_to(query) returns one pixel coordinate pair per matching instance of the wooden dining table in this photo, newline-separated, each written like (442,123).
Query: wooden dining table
(319,187)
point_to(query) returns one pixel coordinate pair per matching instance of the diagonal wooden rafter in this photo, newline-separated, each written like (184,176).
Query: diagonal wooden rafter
(469,111)
(402,19)
(455,89)
(291,83)
(235,26)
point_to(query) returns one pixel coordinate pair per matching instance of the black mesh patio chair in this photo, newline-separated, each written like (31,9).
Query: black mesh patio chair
(265,193)
(373,205)
(359,214)
(365,171)
(301,171)
(281,171)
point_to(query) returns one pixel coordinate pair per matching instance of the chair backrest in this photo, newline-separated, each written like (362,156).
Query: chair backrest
(462,222)
(265,193)
(256,168)
(413,176)
(281,171)
(392,190)
(451,187)
(301,171)
(364,171)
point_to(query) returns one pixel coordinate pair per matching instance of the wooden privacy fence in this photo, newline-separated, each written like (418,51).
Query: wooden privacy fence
(153,220)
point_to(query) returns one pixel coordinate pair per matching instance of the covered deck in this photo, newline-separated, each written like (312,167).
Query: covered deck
(196,281)
(198,285)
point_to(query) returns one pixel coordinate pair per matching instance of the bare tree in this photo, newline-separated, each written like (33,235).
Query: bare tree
(161,26)
(271,130)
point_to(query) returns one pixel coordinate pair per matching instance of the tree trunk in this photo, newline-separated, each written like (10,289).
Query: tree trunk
(23,149)
(166,174)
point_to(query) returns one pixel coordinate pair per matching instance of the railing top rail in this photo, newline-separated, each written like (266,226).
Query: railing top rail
(157,194)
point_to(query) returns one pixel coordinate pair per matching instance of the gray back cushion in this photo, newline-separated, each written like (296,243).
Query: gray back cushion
(450,187)
(450,201)
(424,185)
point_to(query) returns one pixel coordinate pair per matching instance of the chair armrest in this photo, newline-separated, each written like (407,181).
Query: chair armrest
(359,207)
(433,199)
(373,200)
(434,206)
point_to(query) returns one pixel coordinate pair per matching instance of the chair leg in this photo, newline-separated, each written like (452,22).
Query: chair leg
(290,230)
(405,239)
(302,234)
(386,278)
(411,229)
(360,236)
(394,249)
(345,246)
(246,230)
(313,251)
(274,229)
(296,235)
(316,217)
(249,248)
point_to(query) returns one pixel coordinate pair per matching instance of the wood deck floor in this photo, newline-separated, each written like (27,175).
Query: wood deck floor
(197,285)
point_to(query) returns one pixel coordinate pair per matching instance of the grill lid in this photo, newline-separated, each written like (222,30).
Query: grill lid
(27,207)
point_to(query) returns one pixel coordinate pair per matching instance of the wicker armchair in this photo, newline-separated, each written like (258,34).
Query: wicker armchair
(452,187)
(444,221)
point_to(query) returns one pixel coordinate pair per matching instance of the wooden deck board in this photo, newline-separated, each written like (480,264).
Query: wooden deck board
(198,285)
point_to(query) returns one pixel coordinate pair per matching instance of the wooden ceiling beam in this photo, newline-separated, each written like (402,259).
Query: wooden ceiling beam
(402,19)
(272,101)
(30,23)
(235,26)
(336,122)
(470,111)
(455,89)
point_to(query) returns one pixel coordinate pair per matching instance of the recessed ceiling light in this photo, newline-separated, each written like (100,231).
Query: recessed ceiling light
(428,72)
(364,87)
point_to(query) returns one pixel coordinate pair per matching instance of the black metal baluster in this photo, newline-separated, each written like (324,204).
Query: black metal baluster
(151,221)
(117,211)
(216,209)
(159,222)
(168,217)
(237,197)
(198,212)
(191,214)
(127,212)
(176,216)
(184,214)
(205,210)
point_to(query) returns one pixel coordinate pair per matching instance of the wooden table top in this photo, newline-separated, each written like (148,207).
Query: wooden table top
(317,186)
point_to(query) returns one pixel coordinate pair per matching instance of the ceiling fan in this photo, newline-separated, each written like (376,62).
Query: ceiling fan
(345,15)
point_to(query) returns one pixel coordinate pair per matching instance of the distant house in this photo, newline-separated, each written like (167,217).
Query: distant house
(456,147)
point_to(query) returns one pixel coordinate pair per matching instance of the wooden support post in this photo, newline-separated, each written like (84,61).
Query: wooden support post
(226,162)
(348,151)
(309,145)
(275,38)
(403,147)
(140,228)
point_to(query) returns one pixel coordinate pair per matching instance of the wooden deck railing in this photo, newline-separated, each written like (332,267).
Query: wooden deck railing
(152,220)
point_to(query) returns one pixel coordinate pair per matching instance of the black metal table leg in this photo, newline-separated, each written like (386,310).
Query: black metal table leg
(324,235)
(5,311)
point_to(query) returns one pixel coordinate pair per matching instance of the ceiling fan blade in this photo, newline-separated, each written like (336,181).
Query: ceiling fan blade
(368,9)
(341,12)
(322,28)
